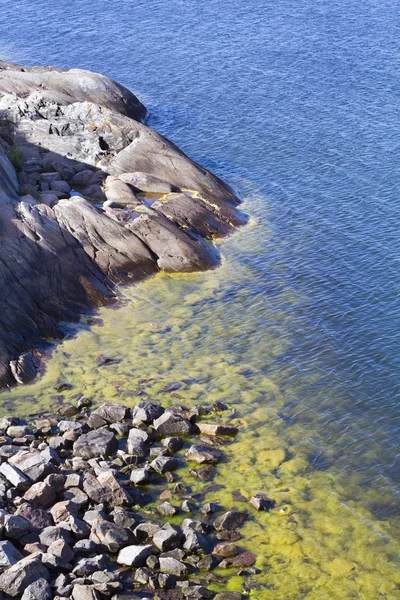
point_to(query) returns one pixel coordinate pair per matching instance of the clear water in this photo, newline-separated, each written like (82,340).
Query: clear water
(296,104)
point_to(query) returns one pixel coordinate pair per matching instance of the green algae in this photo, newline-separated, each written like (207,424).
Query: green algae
(228,335)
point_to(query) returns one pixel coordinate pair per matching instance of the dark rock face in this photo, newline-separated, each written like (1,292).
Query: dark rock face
(75,222)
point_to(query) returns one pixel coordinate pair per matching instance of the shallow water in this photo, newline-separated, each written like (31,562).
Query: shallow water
(297,331)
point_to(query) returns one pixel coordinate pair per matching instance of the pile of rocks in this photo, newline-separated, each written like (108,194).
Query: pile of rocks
(78,518)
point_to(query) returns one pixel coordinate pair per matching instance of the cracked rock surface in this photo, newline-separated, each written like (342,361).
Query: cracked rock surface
(90,199)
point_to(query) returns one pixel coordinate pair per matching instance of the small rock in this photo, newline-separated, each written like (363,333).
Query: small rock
(137,439)
(62,387)
(203,455)
(162,464)
(246,559)
(105,360)
(84,592)
(211,429)
(172,444)
(37,518)
(66,425)
(100,442)
(61,550)
(86,566)
(225,550)
(261,501)
(40,494)
(38,590)
(118,496)
(53,533)
(172,424)
(195,541)
(140,476)
(15,526)
(59,186)
(77,496)
(18,431)
(230,520)
(14,476)
(166,509)
(31,463)
(147,412)
(134,556)
(173,567)
(166,539)
(109,412)
(9,555)
(68,410)
(17,578)
(113,537)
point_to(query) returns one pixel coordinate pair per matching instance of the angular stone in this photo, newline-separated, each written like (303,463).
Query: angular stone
(51,456)
(61,511)
(172,424)
(109,412)
(173,567)
(61,550)
(38,590)
(166,509)
(203,455)
(16,579)
(230,520)
(15,526)
(137,440)
(53,533)
(100,442)
(15,476)
(211,429)
(76,496)
(162,464)
(78,527)
(66,425)
(31,463)
(195,541)
(147,412)
(113,537)
(139,476)
(37,518)
(84,547)
(84,592)
(118,496)
(134,556)
(261,501)
(166,539)
(172,444)
(146,530)
(73,480)
(86,566)
(40,494)
(9,555)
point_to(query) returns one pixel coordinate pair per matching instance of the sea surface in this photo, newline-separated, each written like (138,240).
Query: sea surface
(296,104)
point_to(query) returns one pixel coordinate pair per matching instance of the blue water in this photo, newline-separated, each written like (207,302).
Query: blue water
(296,101)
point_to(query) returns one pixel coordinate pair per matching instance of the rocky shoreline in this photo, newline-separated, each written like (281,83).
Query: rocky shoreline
(90,199)
(82,515)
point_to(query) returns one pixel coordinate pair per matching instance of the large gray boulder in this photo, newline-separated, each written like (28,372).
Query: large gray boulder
(143,206)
